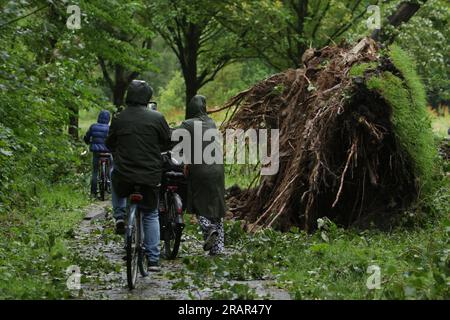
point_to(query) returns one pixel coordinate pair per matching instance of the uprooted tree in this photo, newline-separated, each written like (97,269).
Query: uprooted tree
(355,142)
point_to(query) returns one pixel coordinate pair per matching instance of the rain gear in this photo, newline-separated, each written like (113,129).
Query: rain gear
(206,182)
(137,137)
(98,132)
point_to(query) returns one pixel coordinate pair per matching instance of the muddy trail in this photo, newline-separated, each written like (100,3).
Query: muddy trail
(99,254)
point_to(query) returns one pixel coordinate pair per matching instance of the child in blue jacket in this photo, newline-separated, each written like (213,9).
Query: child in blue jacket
(96,137)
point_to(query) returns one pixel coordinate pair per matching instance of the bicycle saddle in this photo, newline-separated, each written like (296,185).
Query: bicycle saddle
(174,174)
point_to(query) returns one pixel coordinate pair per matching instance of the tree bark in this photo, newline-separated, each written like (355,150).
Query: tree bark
(187,39)
(119,84)
(190,77)
(405,11)
(189,63)
(191,91)
(119,90)
(73,121)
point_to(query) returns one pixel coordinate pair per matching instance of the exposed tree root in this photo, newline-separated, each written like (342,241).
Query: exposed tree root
(339,155)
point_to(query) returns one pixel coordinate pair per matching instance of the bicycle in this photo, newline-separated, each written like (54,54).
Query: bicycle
(171,223)
(104,183)
(134,241)
(171,207)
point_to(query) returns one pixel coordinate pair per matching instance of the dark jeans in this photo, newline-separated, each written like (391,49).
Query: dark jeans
(94,178)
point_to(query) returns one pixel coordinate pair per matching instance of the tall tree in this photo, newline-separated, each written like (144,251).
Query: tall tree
(424,36)
(404,12)
(116,33)
(280,31)
(49,39)
(202,46)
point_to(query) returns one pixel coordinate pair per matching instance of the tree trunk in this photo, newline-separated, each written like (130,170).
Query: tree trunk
(405,11)
(190,67)
(191,91)
(120,84)
(119,91)
(73,121)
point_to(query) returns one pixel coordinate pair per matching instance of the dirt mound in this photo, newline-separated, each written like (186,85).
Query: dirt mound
(340,155)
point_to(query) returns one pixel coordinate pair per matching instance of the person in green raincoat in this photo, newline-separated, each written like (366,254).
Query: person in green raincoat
(205,182)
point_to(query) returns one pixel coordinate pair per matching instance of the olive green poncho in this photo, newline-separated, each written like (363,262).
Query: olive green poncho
(206,182)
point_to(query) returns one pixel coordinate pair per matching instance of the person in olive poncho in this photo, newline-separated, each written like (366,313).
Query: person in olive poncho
(206,182)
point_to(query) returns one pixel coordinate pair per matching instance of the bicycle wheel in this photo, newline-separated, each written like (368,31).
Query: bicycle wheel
(108,178)
(142,259)
(132,247)
(172,236)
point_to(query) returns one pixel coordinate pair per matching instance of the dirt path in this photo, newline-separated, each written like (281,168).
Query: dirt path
(100,254)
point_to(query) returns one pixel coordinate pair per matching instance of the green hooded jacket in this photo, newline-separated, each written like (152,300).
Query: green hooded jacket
(137,137)
(206,182)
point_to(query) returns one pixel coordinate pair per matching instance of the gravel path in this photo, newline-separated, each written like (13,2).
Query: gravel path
(100,254)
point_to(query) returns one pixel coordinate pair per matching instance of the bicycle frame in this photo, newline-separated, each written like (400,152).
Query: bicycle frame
(135,213)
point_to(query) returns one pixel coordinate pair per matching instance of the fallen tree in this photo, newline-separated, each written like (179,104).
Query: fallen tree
(355,142)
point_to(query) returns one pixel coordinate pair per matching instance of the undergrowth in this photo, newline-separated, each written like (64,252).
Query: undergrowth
(34,254)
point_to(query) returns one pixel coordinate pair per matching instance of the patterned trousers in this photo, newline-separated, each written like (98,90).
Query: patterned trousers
(206,225)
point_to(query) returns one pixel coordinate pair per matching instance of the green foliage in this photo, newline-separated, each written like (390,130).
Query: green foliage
(236,291)
(167,66)
(440,124)
(239,174)
(411,121)
(48,73)
(233,79)
(115,30)
(44,78)
(332,263)
(358,69)
(279,32)
(191,29)
(33,244)
(425,37)
(229,81)
(173,95)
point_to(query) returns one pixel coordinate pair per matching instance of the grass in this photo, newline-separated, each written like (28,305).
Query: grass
(241,175)
(33,244)
(412,263)
(440,122)
(412,123)
(358,69)
(333,263)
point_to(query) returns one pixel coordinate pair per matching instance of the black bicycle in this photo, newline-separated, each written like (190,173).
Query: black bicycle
(171,221)
(134,241)
(104,182)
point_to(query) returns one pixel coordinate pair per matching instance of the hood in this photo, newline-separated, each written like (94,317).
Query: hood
(196,108)
(139,93)
(104,117)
